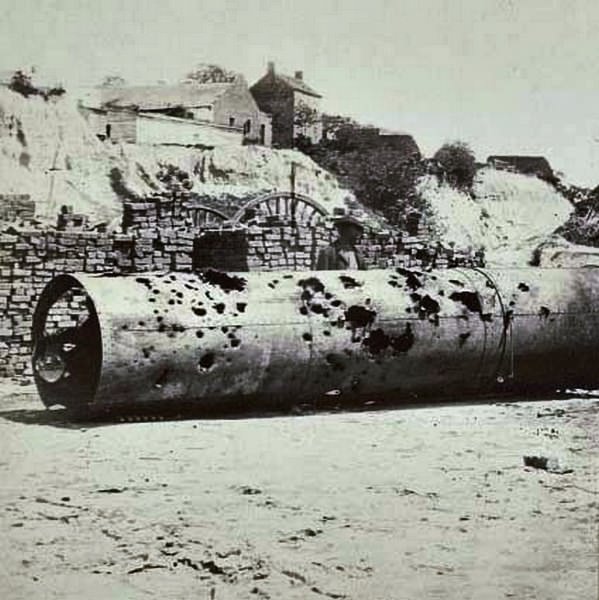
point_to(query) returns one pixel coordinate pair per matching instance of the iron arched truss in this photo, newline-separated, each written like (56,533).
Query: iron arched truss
(297,208)
(203,216)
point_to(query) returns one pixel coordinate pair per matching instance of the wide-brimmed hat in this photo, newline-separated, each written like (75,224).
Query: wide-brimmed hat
(348,220)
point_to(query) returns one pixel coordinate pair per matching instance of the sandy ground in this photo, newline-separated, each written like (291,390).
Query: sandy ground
(410,503)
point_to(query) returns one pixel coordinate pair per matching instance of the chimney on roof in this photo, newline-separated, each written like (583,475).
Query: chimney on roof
(271,67)
(299,75)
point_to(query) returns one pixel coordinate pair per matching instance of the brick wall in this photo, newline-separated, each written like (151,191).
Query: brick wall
(16,206)
(159,235)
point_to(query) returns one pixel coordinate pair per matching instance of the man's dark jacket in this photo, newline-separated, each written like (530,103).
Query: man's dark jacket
(330,259)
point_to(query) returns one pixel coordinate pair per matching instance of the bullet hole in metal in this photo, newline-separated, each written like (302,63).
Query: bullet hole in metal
(227,283)
(125,327)
(335,361)
(200,312)
(156,311)
(404,341)
(219,308)
(173,277)
(207,361)
(240,306)
(326,332)
(179,301)
(311,283)
(170,334)
(235,343)
(307,337)
(178,327)
(349,282)
(171,302)
(199,333)
(159,319)
(463,337)
(544,312)
(161,328)
(155,291)
(441,292)
(288,276)
(358,316)
(427,307)
(224,329)
(512,303)
(144,281)
(141,323)
(151,299)
(412,280)
(456,282)
(523,287)
(393,283)
(179,294)
(376,341)
(470,300)
(303,310)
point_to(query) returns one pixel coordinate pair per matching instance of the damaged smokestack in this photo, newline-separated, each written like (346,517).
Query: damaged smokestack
(271,67)
(299,75)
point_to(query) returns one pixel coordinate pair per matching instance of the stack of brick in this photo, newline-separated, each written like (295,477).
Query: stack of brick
(276,245)
(15,207)
(159,237)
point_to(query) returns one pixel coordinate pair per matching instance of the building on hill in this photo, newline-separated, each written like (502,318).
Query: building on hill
(223,106)
(527,165)
(293,105)
(399,141)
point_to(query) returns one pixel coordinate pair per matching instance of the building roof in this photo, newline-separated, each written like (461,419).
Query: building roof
(297,85)
(523,164)
(160,97)
(274,78)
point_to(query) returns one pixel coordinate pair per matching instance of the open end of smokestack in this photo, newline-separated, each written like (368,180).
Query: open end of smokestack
(67,344)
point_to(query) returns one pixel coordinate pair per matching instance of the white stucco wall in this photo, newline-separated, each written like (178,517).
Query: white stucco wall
(156,129)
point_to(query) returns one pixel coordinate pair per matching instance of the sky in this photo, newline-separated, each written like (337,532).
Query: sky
(505,76)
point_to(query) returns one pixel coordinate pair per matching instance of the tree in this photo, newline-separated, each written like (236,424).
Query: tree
(113,81)
(22,83)
(458,163)
(208,73)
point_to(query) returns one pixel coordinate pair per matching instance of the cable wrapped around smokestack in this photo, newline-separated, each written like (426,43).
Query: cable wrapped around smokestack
(269,338)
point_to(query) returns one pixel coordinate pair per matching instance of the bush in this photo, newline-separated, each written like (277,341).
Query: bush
(22,84)
(458,164)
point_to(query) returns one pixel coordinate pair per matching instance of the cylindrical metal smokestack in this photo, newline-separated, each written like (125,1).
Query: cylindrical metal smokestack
(282,337)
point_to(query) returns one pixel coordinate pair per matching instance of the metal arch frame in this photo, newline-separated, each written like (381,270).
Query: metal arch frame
(209,209)
(265,198)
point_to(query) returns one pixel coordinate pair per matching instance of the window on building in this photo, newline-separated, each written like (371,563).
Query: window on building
(247,126)
(262,134)
(108,130)
(231,121)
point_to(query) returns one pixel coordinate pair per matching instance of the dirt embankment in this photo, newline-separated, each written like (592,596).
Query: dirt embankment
(48,151)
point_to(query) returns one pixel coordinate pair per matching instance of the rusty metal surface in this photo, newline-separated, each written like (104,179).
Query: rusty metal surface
(292,336)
